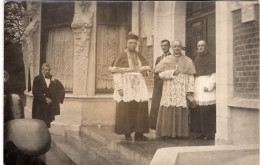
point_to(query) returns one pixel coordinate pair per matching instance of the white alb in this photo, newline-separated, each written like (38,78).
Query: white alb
(205,98)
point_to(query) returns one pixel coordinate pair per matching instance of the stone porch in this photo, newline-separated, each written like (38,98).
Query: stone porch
(95,145)
(100,145)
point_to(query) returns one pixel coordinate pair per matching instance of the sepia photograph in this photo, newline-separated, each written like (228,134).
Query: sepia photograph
(130,82)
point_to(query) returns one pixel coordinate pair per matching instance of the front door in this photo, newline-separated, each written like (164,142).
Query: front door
(200,20)
(113,23)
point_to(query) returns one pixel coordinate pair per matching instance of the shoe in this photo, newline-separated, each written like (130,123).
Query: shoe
(128,137)
(208,137)
(164,137)
(199,136)
(167,137)
(140,136)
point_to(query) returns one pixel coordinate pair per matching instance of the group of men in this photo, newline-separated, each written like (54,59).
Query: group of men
(183,96)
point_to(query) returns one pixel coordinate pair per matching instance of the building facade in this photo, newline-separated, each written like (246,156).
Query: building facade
(80,39)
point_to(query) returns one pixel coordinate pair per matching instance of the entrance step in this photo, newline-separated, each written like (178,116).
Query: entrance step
(132,149)
(141,152)
(55,157)
(87,151)
(100,145)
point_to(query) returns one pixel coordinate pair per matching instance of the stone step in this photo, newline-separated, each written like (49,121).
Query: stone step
(78,148)
(141,152)
(57,157)
(65,149)
(134,150)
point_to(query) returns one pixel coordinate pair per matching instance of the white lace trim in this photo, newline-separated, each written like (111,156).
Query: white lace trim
(206,103)
(134,88)
(175,90)
(118,84)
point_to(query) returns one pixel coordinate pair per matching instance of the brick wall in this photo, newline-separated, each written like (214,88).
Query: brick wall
(246,56)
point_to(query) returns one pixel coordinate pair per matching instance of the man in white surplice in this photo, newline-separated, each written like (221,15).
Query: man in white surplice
(130,91)
(177,72)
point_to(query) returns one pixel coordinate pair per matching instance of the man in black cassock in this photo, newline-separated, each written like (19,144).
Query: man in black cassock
(157,88)
(130,91)
(48,93)
(203,117)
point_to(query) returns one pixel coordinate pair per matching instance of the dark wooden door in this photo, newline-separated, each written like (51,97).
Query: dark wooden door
(200,26)
(113,23)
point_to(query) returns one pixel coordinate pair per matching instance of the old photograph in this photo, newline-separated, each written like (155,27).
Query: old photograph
(131,82)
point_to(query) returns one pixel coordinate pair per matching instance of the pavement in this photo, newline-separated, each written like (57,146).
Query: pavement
(100,145)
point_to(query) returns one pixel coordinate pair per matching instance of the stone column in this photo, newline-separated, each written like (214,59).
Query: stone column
(224,74)
(169,23)
(82,27)
(31,41)
(135,17)
(163,22)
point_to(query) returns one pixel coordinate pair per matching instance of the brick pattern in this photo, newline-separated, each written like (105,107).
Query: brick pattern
(246,56)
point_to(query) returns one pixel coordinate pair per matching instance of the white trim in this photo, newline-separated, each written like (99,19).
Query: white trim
(244,103)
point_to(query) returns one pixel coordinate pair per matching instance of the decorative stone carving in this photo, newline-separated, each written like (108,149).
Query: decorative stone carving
(82,26)
(31,40)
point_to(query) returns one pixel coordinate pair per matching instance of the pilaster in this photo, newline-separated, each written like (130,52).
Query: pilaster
(82,27)
(31,41)
(224,74)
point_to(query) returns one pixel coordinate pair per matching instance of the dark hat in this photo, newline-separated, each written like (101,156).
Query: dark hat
(131,35)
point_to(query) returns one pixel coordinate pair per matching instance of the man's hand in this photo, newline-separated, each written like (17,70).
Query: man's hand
(144,73)
(48,101)
(176,72)
(120,91)
(206,89)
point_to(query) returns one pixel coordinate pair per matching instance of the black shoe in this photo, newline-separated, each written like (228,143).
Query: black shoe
(208,137)
(128,137)
(199,136)
(166,137)
(140,136)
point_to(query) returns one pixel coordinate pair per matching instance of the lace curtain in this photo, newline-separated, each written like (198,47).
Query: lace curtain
(110,42)
(60,55)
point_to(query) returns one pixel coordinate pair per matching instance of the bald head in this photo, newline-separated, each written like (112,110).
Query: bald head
(177,42)
(201,46)
(177,47)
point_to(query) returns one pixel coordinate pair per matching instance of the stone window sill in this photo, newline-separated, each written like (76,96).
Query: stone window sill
(244,103)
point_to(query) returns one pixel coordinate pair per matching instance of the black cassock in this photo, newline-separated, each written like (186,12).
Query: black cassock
(56,92)
(156,98)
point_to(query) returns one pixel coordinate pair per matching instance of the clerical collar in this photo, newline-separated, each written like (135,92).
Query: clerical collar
(177,55)
(202,53)
(166,54)
(46,76)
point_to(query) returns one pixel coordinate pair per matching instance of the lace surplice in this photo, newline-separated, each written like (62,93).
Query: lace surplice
(175,88)
(134,87)
(132,83)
